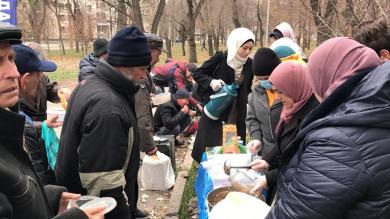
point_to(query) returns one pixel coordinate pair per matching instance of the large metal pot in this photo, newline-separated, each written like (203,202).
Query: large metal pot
(219,194)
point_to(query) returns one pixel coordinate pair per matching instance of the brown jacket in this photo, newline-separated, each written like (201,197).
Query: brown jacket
(143,109)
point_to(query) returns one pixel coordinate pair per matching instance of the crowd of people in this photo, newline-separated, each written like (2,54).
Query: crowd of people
(319,124)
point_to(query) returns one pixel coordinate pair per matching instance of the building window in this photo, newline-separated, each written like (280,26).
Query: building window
(62,17)
(101,16)
(61,6)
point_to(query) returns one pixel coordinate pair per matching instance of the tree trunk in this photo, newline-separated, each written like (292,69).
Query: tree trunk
(210,42)
(192,15)
(60,33)
(54,8)
(260,24)
(191,33)
(137,15)
(47,39)
(121,21)
(36,20)
(305,35)
(256,33)
(157,17)
(216,41)
(169,47)
(299,35)
(236,20)
(182,34)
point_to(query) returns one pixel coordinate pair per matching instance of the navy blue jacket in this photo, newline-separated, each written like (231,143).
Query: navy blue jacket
(87,66)
(342,167)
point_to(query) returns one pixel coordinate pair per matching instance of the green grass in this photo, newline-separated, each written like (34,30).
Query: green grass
(68,52)
(64,75)
(189,193)
(68,65)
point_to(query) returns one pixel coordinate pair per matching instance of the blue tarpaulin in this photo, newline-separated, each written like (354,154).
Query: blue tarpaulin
(203,186)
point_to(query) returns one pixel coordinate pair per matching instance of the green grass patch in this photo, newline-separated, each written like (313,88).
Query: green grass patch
(189,193)
(63,75)
(68,53)
(68,65)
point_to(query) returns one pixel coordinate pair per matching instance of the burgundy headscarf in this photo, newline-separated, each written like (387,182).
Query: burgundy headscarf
(336,60)
(290,79)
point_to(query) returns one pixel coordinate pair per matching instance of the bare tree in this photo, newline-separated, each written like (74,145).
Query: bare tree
(77,20)
(53,5)
(260,24)
(137,15)
(121,21)
(36,12)
(157,17)
(192,15)
(323,23)
(236,20)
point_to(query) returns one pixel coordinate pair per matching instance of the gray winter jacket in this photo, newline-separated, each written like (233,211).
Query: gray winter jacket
(261,120)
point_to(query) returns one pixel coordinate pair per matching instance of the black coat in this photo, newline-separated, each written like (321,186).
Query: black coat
(284,136)
(210,131)
(21,193)
(169,115)
(37,151)
(100,141)
(341,169)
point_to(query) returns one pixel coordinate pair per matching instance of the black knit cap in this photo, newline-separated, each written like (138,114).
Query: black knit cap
(129,48)
(264,62)
(182,94)
(100,47)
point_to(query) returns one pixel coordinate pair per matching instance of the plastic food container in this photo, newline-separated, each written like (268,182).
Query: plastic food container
(89,201)
(59,112)
(107,202)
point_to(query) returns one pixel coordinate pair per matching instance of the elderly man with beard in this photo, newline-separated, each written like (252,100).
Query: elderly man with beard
(99,146)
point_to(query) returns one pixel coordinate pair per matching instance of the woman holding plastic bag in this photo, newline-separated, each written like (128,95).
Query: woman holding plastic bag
(290,84)
(223,68)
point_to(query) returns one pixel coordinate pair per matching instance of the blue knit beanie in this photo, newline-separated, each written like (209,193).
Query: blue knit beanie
(284,51)
(128,48)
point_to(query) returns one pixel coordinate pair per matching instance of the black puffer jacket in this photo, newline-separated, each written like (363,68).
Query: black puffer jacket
(21,193)
(341,169)
(87,66)
(169,115)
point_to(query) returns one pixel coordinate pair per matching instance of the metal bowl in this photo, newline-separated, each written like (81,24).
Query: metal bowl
(218,195)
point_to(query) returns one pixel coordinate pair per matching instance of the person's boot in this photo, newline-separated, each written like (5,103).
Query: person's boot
(140,213)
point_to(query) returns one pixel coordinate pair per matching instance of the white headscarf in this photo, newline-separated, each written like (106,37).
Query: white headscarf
(286,30)
(235,40)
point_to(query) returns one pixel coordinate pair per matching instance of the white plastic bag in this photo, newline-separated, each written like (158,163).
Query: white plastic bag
(156,172)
